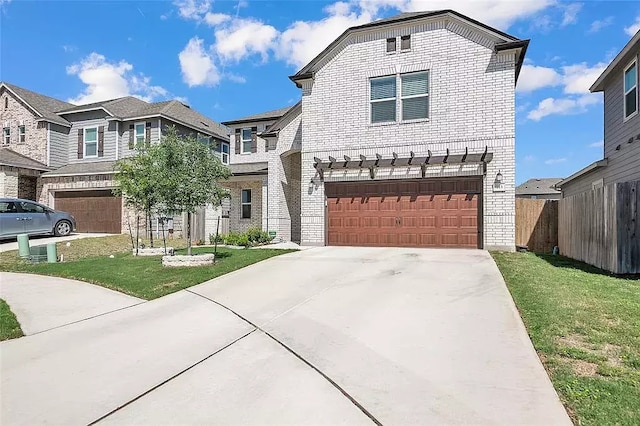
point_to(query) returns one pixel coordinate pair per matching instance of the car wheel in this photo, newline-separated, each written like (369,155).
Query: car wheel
(62,229)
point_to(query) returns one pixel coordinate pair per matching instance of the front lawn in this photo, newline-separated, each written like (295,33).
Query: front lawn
(143,277)
(9,326)
(585,326)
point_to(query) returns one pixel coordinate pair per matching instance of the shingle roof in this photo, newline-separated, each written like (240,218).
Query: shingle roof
(8,157)
(45,106)
(249,168)
(538,187)
(82,169)
(184,114)
(269,115)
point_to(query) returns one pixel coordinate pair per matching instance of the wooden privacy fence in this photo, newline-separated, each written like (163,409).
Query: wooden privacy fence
(601,227)
(537,224)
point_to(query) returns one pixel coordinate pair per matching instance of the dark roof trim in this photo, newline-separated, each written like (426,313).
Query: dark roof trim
(274,128)
(79,110)
(591,167)
(519,44)
(304,73)
(598,85)
(243,121)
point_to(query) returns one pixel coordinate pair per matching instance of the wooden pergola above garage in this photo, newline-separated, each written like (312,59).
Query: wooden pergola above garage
(362,162)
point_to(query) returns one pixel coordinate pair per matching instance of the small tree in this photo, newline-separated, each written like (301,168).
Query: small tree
(136,179)
(189,175)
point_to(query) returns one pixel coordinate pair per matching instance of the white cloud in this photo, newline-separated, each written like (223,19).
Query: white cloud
(599,24)
(108,80)
(578,78)
(529,158)
(69,48)
(632,29)
(244,37)
(214,19)
(197,65)
(534,77)
(598,144)
(555,160)
(562,106)
(192,9)
(570,15)
(236,78)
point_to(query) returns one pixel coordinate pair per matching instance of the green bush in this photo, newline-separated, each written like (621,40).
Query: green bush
(212,238)
(253,237)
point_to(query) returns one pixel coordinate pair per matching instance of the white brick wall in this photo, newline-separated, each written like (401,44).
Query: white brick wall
(471,105)
(8,182)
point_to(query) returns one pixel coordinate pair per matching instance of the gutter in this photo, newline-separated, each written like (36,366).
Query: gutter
(519,44)
(591,167)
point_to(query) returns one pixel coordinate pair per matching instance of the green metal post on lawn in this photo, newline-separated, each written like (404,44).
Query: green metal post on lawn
(52,253)
(23,245)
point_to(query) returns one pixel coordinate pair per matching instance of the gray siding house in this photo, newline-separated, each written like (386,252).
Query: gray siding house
(543,189)
(621,162)
(404,136)
(63,155)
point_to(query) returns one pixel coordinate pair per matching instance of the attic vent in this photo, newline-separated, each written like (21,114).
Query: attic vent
(204,124)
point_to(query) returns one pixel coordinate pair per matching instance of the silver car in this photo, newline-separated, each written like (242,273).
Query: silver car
(18,216)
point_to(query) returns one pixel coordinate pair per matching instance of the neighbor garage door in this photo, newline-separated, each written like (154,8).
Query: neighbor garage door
(405,213)
(95,211)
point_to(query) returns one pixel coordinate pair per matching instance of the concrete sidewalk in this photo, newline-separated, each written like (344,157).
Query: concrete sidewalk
(41,303)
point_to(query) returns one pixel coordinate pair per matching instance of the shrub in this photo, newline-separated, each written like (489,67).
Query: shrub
(253,237)
(212,238)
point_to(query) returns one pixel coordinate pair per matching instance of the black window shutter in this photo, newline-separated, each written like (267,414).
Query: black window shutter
(80,143)
(238,136)
(147,134)
(101,141)
(131,132)
(254,139)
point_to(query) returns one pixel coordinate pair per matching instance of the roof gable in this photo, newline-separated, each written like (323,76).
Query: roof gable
(263,116)
(632,47)
(42,105)
(498,37)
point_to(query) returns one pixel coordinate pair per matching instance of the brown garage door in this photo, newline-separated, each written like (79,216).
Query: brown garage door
(405,213)
(95,211)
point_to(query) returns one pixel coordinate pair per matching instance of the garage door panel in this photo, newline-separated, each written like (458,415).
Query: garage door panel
(94,211)
(421,213)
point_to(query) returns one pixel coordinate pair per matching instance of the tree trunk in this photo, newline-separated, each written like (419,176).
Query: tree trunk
(164,238)
(150,228)
(137,232)
(189,233)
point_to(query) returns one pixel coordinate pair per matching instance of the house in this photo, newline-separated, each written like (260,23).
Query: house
(63,155)
(621,162)
(544,189)
(404,136)
(609,187)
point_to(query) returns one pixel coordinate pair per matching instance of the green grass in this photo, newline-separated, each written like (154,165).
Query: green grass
(145,277)
(9,326)
(585,325)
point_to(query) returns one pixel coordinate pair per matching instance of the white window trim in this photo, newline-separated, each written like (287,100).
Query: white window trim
(242,204)
(6,138)
(242,140)
(410,43)
(22,131)
(135,133)
(84,142)
(222,153)
(393,52)
(626,92)
(372,101)
(426,95)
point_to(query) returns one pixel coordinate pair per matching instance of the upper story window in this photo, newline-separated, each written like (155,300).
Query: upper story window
(22,134)
(139,134)
(6,135)
(630,90)
(391,45)
(383,99)
(223,149)
(415,95)
(405,42)
(245,142)
(6,102)
(91,142)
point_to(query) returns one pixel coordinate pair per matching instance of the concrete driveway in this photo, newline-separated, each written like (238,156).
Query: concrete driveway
(323,336)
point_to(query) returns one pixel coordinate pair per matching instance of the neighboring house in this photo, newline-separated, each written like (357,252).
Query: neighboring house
(621,162)
(405,136)
(544,189)
(599,219)
(69,152)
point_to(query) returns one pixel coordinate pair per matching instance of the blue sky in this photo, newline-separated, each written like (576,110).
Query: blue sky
(228,59)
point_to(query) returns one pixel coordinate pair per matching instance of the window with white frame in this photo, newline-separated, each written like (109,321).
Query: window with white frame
(383,99)
(224,153)
(22,134)
(91,142)
(405,42)
(139,134)
(245,142)
(6,135)
(415,95)
(630,90)
(391,45)
(246,204)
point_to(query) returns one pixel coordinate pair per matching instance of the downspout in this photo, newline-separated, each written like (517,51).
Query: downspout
(117,139)
(48,143)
